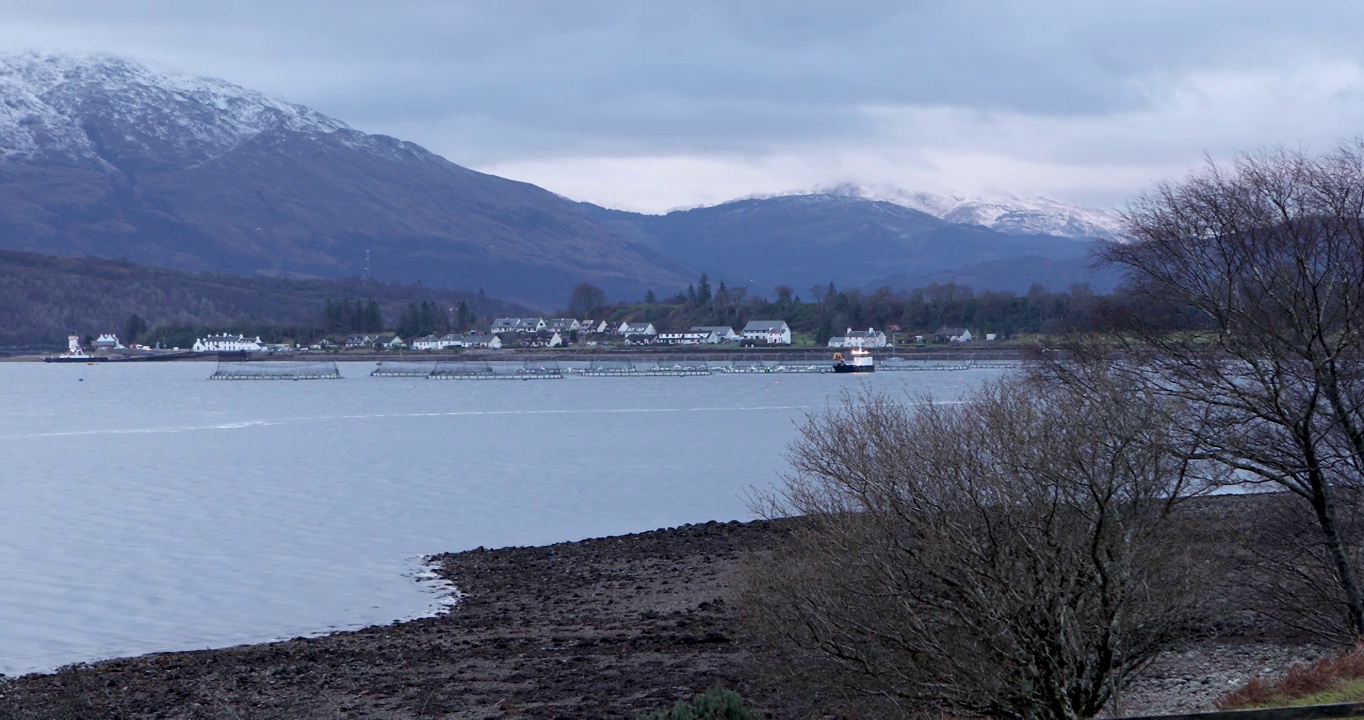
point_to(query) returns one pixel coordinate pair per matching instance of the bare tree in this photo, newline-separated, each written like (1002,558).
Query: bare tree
(1268,255)
(586,300)
(1011,556)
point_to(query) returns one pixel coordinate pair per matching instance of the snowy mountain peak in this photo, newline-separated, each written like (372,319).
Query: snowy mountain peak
(1002,211)
(67,108)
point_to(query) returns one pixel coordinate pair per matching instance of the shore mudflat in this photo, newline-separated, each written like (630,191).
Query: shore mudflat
(602,628)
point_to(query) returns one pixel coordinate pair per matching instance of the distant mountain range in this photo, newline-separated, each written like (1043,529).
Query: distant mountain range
(107,158)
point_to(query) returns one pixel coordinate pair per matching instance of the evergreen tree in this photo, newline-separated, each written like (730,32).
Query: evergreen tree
(373,317)
(703,290)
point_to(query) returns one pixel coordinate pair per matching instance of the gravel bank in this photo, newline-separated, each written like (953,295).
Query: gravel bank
(603,628)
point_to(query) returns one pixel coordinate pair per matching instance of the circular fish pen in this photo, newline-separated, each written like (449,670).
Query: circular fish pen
(403,369)
(275,370)
(481,370)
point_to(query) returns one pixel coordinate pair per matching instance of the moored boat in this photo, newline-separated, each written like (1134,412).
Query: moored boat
(858,361)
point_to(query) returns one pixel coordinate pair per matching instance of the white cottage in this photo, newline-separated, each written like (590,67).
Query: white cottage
(768,332)
(426,342)
(228,343)
(722,333)
(108,341)
(868,338)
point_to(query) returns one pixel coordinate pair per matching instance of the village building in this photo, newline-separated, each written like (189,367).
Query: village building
(492,342)
(228,343)
(956,335)
(108,341)
(868,338)
(686,338)
(592,327)
(359,341)
(426,342)
(629,328)
(722,333)
(450,340)
(768,332)
(563,326)
(389,342)
(517,325)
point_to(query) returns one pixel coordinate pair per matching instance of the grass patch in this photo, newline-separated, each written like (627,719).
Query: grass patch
(716,704)
(1334,679)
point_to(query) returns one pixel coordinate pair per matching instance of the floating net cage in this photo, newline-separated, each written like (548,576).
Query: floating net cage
(403,369)
(678,366)
(267,370)
(531,369)
(771,364)
(611,367)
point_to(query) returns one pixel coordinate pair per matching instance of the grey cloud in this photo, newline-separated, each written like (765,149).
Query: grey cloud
(501,79)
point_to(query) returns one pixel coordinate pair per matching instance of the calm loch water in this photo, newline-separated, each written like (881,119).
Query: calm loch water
(146,508)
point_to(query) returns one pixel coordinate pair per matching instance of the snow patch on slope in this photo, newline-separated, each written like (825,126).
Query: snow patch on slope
(1001,211)
(78,108)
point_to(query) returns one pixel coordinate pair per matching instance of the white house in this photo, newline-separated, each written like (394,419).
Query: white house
(564,326)
(389,342)
(108,341)
(954,334)
(770,332)
(687,338)
(426,342)
(868,338)
(229,343)
(591,327)
(359,341)
(518,325)
(629,328)
(483,341)
(722,333)
(449,341)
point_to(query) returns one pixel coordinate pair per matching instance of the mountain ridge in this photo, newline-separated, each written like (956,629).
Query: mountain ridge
(106,157)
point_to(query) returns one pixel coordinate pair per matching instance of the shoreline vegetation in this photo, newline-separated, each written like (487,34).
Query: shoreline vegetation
(611,627)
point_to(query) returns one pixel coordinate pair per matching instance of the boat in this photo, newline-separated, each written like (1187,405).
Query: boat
(858,361)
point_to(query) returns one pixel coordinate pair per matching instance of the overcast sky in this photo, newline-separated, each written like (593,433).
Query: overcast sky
(655,104)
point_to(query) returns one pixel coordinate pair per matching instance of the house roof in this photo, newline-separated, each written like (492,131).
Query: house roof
(950,331)
(717,329)
(638,327)
(766,326)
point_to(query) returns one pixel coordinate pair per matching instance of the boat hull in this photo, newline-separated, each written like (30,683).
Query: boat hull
(845,368)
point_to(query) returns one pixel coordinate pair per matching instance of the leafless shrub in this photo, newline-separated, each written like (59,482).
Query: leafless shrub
(1010,556)
(1268,254)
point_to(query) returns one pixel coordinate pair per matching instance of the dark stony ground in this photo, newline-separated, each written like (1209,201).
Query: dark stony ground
(604,628)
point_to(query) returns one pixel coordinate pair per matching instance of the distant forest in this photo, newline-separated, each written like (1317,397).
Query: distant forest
(44,298)
(826,310)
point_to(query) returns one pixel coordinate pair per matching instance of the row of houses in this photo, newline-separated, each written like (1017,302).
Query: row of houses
(537,332)
(766,332)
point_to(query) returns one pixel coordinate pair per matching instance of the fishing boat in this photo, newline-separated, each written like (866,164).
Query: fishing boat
(857,361)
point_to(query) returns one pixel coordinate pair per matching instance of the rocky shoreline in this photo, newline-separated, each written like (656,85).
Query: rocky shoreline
(602,628)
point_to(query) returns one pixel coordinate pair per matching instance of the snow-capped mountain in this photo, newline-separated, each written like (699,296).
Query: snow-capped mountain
(80,109)
(1001,211)
(105,157)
